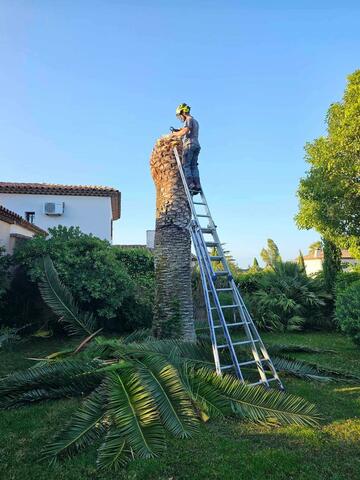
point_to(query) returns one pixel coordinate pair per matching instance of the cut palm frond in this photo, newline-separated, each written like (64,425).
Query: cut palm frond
(134,413)
(297,349)
(78,377)
(207,398)
(299,369)
(86,426)
(258,404)
(311,371)
(141,335)
(172,401)
(60,300)
(114,453)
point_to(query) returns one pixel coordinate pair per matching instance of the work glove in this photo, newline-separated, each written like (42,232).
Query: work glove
(172,129)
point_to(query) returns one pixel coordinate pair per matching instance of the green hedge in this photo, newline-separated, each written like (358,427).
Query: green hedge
(116,284)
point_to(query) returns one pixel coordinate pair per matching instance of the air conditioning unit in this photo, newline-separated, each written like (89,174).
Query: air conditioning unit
(52,208)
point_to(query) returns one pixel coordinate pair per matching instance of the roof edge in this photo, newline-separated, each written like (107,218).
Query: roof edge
(15,219)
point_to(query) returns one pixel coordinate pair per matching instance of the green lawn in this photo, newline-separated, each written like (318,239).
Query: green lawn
(226,449)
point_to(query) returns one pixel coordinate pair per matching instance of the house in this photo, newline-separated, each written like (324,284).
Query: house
(15,229)
(92,208)
(313,261)
(150,242)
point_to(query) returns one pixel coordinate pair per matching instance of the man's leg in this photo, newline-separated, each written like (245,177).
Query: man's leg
(187,159)
(194,168)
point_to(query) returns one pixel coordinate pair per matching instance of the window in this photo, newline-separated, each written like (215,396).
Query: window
(30,216)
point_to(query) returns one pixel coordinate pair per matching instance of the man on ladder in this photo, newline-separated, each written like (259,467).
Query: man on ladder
(191,147)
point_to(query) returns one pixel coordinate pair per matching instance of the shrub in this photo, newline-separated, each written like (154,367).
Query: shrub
(347,311)
(101,279)
(344,280)
(283,298)
(4,274)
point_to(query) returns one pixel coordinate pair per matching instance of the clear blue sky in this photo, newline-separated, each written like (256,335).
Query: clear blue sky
(87,86)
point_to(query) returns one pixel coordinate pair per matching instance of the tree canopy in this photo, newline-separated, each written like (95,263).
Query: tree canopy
(329,195)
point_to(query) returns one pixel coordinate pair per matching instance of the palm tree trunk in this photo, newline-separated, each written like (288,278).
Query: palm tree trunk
(173,310)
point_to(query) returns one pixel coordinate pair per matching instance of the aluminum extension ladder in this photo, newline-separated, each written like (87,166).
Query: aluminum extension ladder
(236,343)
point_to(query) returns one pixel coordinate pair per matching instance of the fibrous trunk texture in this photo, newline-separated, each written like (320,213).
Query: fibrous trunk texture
(173,310)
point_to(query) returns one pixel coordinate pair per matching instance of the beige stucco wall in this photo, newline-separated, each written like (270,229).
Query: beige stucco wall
(6,229)
(313,266)
(4,235)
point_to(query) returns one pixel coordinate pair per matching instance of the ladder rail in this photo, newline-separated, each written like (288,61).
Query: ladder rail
(208,277)
(190,202)
(218,306)
(208,307)
(262,347)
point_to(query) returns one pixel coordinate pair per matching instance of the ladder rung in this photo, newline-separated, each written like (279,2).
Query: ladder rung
(262,381)
(207,230)
(211,244)
(245,342)
(201,215)
(226,366)
(215,258)
(225,306)
(250,362)
(221,273)
(230,324)
(199,203)
(222,289)
(238,343)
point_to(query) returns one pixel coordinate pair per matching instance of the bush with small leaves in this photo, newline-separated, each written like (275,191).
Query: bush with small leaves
(347,311)
(103,280)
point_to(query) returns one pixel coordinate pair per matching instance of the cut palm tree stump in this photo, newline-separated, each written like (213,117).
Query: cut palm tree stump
(173,310)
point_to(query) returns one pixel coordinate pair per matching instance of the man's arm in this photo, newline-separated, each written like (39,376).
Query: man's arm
(181,132)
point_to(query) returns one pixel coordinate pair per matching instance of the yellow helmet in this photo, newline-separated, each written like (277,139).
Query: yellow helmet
(182,108)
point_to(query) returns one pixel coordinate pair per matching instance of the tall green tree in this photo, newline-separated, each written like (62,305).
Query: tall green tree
(271,254)
(331,264)
(301,262)
(329,195)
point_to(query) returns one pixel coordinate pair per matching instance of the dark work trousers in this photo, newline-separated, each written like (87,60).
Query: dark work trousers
(190,165)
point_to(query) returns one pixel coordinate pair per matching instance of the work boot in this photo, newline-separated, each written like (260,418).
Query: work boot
(197,187)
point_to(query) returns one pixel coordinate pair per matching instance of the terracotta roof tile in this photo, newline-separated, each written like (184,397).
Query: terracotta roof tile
(58,189)
(11,217)
(344,255)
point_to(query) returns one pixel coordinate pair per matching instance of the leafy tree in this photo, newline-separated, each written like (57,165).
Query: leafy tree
(331,264)
(347,311)
(271,254)
(329,196)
